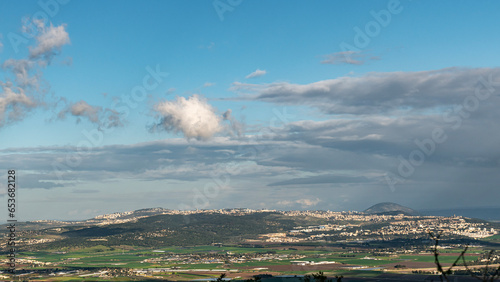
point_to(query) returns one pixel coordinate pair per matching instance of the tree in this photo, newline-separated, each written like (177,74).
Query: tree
(488,275)
(221,278)
(321,277)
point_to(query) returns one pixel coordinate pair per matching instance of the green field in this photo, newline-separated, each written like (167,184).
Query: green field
(97,258)
(494,238)
(100,256)
(442,259)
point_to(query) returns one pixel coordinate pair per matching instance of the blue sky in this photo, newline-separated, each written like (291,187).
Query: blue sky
(255,104)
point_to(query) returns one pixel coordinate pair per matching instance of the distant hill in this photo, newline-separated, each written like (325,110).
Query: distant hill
(484,213)
(174,229)
(390,209)
(158,228)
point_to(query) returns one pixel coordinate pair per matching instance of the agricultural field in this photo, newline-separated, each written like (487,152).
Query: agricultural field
(200,262)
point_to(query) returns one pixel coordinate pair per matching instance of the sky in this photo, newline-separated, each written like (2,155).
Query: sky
(327,105)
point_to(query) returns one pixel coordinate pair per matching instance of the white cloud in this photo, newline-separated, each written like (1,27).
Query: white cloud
(22,87)
(95,114)
(49,41)
(302,202)
(308,202)
(347,57)
(194,117)
(13,106)
(81,108)
(28,72)
(22,69)
(256,73)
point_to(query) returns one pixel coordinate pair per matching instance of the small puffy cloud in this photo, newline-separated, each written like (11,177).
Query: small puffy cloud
(236,127)
(347,57)
(95,114)
(82,109)
(207,46)
(256,73)
(14,105)
(308,202)
(208,84)
(227,114)
(22,70)
(193,116)
(304,203)
(49,41)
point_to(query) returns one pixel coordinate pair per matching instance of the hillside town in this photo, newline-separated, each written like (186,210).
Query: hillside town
(352,226)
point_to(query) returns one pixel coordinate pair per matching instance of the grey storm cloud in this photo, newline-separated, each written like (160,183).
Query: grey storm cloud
(389,114)
(376,93)
(173,159)
(376,142)
(325,156)
(321,179)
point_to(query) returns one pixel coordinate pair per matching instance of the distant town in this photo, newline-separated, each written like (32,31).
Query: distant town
(400,224)
(180,245)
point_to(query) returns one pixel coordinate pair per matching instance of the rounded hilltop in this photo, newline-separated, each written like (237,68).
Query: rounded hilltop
(390,209)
